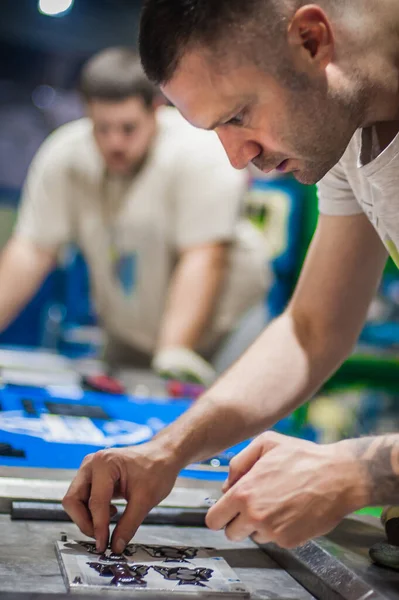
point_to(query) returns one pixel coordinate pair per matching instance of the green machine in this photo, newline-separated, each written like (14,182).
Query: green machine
(375,368)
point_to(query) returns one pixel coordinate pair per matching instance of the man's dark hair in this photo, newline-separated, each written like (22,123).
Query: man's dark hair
(114,75)
(171,27)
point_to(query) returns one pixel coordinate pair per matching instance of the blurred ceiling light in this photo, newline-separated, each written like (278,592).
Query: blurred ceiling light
(43,96)
(55,7)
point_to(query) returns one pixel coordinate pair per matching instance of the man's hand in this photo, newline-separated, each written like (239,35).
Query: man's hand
(183,364)
(286,491)
(143,475)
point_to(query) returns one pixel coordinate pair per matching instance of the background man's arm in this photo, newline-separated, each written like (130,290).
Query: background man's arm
(192,297)
(23,267)
(193,293)
(282,369)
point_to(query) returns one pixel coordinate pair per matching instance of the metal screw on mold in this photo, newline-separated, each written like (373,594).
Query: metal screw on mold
(210,501)
(64,537)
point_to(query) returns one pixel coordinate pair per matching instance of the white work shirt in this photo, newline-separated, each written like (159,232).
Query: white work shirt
(131,229)
(366,180)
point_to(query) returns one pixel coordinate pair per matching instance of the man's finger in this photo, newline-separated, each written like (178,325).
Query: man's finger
(262,536)
(224,511)
(239,529)
(242,463)
(76,500)
(135,512)
(102,490)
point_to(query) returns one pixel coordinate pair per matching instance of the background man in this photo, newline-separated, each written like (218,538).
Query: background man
(308,89)
(155,207)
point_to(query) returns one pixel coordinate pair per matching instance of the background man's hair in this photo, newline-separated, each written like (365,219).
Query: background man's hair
(116,74)
(171,27)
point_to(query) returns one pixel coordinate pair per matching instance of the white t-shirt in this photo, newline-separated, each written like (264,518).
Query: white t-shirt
(366,180)
(131,229)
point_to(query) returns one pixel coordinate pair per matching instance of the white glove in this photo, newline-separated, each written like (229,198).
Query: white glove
(184,365)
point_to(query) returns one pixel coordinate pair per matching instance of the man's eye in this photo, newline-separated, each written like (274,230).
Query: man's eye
(237,120)
(129,129)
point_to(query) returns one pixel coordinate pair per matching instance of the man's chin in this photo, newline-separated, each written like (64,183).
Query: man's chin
(305,178)
(310,176)
(119,168)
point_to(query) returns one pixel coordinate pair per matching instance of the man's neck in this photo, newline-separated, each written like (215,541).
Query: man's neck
(378,62)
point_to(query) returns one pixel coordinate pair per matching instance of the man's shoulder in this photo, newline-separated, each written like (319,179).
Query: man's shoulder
(69,144)
(174,130)
(170,121)
(351,154)
(68,135)
(180,140)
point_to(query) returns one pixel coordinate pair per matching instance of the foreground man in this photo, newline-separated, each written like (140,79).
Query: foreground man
(155,207)
(309,89)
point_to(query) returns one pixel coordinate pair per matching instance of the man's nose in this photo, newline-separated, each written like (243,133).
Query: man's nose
(241,151)
(115,140)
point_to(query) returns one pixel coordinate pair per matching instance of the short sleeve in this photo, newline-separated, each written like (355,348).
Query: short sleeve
(209,194)
(45,212)
(336,197)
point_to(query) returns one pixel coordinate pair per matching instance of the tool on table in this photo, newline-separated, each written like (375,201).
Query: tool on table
(210,501)
(180,389)
(386,554)
(102,383)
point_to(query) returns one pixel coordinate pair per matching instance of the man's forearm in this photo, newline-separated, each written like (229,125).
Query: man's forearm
(192,297)
(23,266)
(272,378)
(379,460)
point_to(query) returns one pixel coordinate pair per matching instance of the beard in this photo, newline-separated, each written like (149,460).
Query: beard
(319,127)
(120,164)
(326,133)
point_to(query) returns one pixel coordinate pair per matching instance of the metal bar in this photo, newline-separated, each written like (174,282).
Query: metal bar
(53,511)
(321,573)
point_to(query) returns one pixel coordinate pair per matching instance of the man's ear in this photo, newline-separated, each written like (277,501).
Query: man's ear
(311,38)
